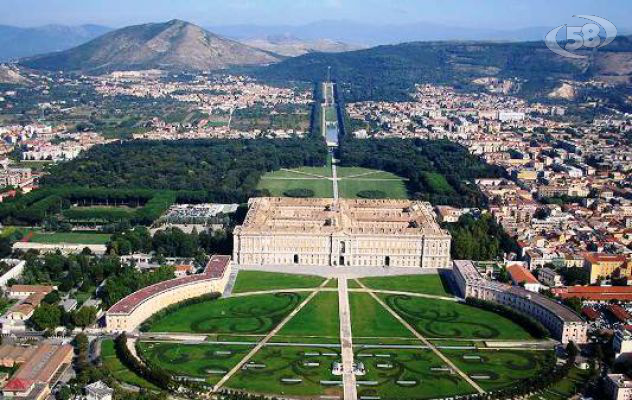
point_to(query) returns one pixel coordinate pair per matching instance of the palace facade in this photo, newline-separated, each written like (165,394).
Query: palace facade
(341,232)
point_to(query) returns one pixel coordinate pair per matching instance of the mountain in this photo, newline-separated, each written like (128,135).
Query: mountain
(175,45)
(290,46)
(390,72)
(365,34)
(16,42)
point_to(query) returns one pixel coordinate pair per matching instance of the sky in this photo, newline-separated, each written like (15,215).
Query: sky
(495,14)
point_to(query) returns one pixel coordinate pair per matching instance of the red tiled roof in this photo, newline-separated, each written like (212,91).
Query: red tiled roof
(18,385)
(214,270)
(602,257)
(619,312)
(519,274)
(595,293)
(590,313)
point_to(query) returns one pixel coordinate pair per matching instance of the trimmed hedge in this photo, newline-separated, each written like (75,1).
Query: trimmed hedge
(300,193)
(153,374)
(529,324)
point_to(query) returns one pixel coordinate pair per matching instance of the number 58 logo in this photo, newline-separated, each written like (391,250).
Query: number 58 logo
(577,37)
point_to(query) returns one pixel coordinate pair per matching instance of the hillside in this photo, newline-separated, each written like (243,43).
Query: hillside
(11,75)
(175,45)
(389,72)
(290,46)
(17,42)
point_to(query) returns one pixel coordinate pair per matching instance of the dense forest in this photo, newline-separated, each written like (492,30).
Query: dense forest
(228,170)
(480,239)
(441,172)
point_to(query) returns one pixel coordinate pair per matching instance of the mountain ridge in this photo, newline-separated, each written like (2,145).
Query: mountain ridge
(172,45)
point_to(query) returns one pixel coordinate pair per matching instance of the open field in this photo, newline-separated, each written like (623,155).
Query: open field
(237,315)
(392,188)
(252,281)
(447,319)
(119,371)
(318,319)
(277,187)
(497,369)
(427,284)
(70,237)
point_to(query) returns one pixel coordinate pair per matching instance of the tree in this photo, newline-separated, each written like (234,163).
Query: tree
(46,316)
(85,316)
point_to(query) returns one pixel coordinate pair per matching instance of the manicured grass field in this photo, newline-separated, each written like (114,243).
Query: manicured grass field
(448,319)
(431,284)
(119,371)
(496,369)
(344,172)
(253,281)
(70,237)
(208,361)
(370,320)
(318,318)
(407,374)
(393,188)
(235,315)
(277,187)
(272,364)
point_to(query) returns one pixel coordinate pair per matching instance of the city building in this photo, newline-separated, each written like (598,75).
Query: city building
(607,266)
(35,377)
(622,342)
(549,277)
(523,277)
(563,323)
(127,314)
(619,386)
(98,391)
(342,232)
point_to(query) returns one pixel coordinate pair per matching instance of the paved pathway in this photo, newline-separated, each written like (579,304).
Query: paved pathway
(334,180)
(432,347)
(266,339)
(339,272)
(348,377)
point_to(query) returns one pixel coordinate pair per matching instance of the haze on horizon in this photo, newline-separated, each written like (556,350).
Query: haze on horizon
(491,14)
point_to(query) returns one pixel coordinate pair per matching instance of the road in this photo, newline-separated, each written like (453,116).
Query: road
(348,377)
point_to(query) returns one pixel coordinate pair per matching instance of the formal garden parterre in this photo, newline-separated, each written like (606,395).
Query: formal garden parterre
(298,360)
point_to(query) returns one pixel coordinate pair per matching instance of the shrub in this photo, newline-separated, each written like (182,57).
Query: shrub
(302,193)
(372,194)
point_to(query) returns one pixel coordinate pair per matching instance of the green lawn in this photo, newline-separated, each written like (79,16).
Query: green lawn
(318,318)
(393,188)
(119,371)
(277,187)
(497,369)
(209,361)
(70,237)
(253,281)
(431,284)
(407,374)
(235,315)
(370,320)
(447,319)
(272,364)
